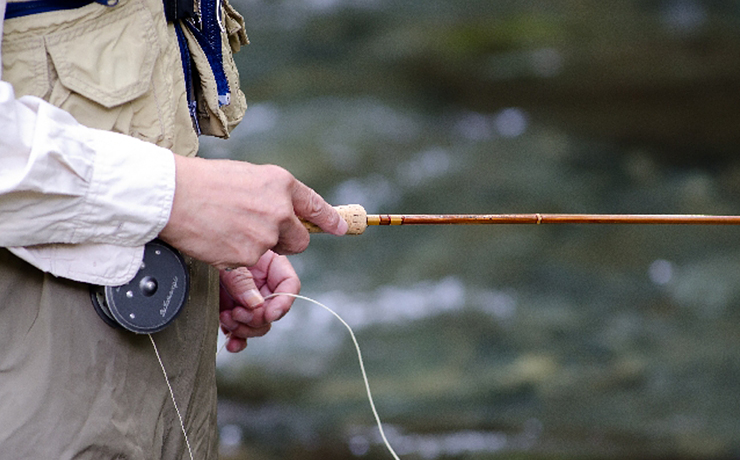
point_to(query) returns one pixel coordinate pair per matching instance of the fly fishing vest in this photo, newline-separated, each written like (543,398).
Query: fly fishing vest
(70,385)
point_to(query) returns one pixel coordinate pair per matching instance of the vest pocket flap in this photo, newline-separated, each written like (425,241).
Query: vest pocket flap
(110,60)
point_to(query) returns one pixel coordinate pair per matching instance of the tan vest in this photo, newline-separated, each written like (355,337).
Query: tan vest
(70,385)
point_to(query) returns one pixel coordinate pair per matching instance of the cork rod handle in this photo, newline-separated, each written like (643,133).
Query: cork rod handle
(353,214)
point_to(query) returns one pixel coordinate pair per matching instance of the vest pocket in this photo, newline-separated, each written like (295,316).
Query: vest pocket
(102,71)
(110,62)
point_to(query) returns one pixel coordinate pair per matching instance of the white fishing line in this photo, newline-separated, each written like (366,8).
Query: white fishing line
(359,358)
(223,345)
(172,395)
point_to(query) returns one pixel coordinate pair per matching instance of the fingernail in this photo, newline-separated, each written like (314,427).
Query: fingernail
(252,298)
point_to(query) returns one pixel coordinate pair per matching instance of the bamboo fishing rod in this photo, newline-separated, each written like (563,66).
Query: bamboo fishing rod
(358,219)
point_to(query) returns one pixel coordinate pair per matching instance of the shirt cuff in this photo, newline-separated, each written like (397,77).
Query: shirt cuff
(127,203)
(99,264)
(130,195)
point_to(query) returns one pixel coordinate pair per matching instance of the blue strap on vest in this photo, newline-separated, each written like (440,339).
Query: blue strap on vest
(187,69)
(208,34)
(18,9)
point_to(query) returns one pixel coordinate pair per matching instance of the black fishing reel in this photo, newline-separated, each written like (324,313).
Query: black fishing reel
(153,299)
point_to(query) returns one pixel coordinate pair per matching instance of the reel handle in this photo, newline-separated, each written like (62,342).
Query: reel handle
(353,214)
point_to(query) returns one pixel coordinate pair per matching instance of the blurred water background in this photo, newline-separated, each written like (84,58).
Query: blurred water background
(498,342)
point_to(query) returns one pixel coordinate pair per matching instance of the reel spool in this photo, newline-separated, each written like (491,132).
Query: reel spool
(153,299)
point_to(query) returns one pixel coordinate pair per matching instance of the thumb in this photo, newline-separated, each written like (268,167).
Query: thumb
(239,283)
(309,206)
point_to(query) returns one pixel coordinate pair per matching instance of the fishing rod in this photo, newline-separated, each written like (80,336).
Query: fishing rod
(358,219)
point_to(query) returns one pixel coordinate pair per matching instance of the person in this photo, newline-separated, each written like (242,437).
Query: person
(99,135)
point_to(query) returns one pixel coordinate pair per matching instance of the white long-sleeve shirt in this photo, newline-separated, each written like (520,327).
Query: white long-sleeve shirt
(77,202)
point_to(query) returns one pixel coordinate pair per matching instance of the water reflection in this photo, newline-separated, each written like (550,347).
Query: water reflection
(433,446)
(508,123)
(511,122)
(258,119)
(230,438)
(375,192)
(427,165)
(474,126)
(661,272)
(684,16)
(547,62)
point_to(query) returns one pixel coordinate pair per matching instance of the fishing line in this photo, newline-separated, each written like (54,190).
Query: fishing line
(359,358)
(172,395)
(223,345)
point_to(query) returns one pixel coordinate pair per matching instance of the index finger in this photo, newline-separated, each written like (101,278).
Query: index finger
(309,206)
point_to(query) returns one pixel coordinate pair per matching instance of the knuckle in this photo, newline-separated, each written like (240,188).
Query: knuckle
(316,205)
(241,279)
(284,213)
(280,175)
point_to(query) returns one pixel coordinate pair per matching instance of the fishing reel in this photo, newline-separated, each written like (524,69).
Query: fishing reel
(153,299)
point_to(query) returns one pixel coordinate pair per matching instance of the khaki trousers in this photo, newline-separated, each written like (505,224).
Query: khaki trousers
(72,387)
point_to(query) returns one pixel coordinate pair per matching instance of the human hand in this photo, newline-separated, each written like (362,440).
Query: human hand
(244,311)
(229,213)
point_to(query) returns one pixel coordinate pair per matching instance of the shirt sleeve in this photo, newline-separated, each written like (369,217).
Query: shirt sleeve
(77,202)
(80,202)
(62,182)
